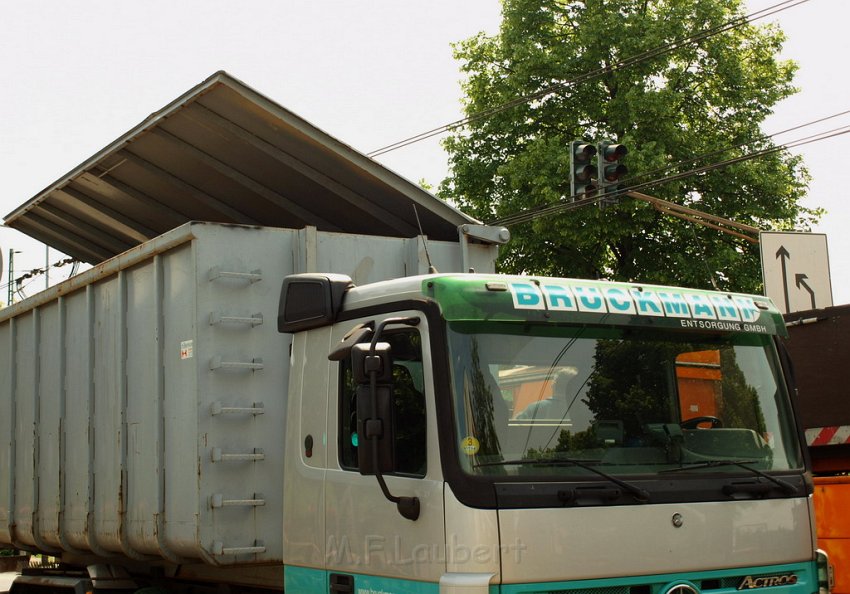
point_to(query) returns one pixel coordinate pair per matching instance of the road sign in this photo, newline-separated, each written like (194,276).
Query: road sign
(795,268)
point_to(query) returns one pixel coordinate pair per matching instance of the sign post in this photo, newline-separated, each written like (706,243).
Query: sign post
(795,269)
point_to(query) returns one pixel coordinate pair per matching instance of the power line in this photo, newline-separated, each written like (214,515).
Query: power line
(534,213)
(617,66)
(774,149)
(741,145)
(531,214)
(792,144)
(35,272)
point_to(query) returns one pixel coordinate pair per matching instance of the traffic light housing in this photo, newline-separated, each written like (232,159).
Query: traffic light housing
(582,170)
(610,171)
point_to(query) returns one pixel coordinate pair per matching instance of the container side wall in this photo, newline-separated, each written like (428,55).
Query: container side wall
(379,258)
(180,403)
(99,444)
(7,426)
(106,428)
(142,415)
(244,371)
(372,259)
(79,386)
(49,403)
(23,394)
(143,403)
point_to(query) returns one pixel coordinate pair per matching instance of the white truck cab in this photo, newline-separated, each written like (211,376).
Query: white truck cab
(467,432)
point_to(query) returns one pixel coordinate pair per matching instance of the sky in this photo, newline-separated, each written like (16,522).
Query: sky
(371,72)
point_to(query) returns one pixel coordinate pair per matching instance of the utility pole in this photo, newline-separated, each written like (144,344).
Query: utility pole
(10,291)
(11,287)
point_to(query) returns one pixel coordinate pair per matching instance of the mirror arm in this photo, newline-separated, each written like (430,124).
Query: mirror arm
(411,321)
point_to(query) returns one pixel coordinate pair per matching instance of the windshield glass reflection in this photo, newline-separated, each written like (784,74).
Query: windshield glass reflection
(530,399)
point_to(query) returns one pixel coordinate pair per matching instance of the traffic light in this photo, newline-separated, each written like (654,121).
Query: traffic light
(582,170)
(610,171)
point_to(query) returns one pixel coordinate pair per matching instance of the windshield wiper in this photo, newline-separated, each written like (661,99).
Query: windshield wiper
(784,485)
(642,495)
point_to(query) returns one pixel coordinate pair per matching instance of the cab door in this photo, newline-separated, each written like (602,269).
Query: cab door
(369,545)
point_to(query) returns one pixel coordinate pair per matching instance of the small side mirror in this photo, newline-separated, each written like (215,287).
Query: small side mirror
(310,301)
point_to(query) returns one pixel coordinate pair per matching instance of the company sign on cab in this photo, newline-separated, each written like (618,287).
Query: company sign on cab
(695,309)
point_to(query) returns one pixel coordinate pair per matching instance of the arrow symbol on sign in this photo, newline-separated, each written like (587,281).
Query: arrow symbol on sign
(801,280)
(784,255)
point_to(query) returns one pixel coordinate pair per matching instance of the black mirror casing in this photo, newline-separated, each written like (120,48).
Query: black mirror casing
(375,415)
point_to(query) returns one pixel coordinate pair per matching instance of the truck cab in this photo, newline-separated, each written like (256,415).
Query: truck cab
(470,432)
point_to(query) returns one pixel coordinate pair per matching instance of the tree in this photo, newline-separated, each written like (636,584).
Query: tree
(695,100)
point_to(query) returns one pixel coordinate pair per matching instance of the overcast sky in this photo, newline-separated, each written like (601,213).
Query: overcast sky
(80,74)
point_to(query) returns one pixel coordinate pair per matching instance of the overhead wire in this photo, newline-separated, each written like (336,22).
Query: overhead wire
(617,66)
(753,155)
(33,274)
(531,214)
(567,205)
(726,149)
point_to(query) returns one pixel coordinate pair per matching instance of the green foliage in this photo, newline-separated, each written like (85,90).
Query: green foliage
(482,396)
(630,382)
(695,100)
(744,409)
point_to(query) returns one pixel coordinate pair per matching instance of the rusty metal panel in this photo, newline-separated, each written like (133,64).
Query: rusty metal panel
(831,500)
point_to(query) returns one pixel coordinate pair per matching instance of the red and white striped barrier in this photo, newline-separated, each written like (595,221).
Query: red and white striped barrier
(821,436)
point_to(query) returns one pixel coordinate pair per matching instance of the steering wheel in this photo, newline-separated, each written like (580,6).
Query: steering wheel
(694,422)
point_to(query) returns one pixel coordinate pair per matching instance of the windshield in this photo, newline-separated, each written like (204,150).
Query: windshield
(553,401)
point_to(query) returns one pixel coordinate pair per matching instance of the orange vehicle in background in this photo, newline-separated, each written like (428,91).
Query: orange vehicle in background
(820,355)
(699,380)
(698,377)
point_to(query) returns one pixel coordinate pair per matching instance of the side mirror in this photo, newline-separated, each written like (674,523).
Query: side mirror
(310,301)
(375,409)
(372,367)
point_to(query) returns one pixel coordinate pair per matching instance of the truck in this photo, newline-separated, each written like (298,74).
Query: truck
(249,409)
(817,344)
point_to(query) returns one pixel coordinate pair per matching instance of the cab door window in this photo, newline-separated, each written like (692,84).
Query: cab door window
(408,404)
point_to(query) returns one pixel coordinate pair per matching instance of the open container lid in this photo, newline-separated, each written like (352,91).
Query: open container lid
(222,152)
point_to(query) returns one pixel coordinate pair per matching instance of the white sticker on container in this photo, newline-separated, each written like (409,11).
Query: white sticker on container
(186,350)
